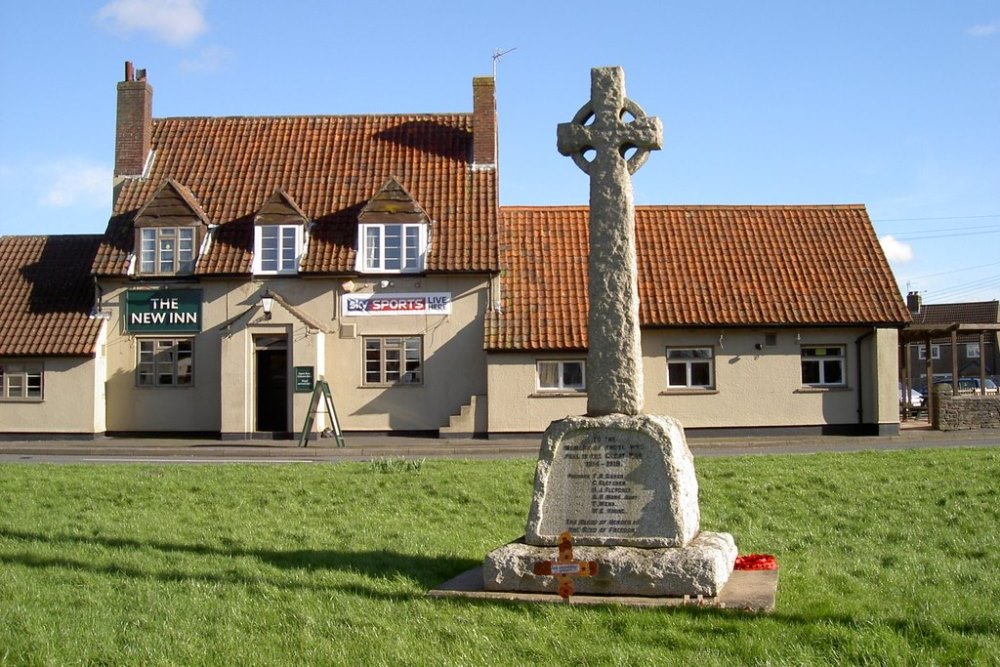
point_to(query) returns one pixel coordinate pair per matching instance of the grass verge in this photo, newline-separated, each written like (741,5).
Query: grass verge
(886,558)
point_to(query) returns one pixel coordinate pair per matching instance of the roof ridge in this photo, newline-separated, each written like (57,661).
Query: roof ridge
(50,236)
(320,115)
(700,207)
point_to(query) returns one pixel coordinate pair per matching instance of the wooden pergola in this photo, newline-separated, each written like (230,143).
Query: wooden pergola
(925,334)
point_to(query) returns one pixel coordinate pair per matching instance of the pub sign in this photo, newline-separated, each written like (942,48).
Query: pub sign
(163,311)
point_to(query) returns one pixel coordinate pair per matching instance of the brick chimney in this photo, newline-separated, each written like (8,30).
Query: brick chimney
(484,123)
(134,130)
(914,302)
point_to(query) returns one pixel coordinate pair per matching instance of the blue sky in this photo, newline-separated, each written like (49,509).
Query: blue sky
(892,104)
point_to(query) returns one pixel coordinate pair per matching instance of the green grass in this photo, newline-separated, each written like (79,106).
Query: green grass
(886,559)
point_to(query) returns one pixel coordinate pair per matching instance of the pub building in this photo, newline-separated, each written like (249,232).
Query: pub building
(248,257)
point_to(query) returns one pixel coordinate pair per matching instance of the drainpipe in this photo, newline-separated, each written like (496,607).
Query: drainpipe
(861,405)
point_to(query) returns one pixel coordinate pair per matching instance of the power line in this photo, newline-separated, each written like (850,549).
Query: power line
(933,234)
(950,217)
(945,273)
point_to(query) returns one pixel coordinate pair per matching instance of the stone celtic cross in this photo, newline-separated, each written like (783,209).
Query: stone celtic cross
(619,146)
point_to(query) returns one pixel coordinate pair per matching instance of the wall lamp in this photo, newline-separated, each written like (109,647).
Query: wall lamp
(267,302)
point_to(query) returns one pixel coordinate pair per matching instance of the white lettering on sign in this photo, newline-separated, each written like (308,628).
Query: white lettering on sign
(163,318)
(428,303)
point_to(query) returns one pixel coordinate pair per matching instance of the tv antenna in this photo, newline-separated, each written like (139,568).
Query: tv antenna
(497,55)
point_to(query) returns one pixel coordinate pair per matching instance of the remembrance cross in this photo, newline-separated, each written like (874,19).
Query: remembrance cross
(614,357)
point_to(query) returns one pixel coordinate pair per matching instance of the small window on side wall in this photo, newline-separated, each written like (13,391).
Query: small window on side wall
(21,381)
(823,366)
(562,375)
(690,367)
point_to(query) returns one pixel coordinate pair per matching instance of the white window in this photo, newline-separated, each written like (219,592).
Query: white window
(569,375)
(972,350)
(393,248)
(393,360)
(165,362)
(935,352)
(277,248)
(690,367)
(21,381)
(823,366)
(165,250)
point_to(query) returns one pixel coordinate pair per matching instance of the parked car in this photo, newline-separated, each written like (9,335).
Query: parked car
(971,386)
(916,398)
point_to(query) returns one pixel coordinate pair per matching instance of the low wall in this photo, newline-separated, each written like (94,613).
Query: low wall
(956,413)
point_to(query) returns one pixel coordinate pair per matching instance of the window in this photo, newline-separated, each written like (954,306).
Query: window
(392,248)
(561,375)
(935,352)
(690,367)
(823,366)
(277,248)
(972,350)
(165,362)
(393,360)
(166,249)
(21,381)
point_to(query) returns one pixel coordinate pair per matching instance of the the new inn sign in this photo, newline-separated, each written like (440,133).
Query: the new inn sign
(163,311)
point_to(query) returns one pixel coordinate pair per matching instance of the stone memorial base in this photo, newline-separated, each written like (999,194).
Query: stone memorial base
(700,568)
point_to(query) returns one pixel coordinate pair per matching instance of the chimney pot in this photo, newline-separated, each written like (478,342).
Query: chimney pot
(914,302)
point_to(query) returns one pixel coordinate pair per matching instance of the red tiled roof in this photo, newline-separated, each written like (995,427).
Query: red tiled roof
(46,294)
(699,266)
(973,312)
(330,166)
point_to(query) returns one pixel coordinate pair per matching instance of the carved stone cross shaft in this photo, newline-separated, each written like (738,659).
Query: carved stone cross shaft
(600,128)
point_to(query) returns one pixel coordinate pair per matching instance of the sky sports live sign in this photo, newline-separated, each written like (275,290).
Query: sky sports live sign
(163,311)
(426,303)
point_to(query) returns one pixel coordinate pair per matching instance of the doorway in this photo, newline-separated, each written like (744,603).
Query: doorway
(271,356)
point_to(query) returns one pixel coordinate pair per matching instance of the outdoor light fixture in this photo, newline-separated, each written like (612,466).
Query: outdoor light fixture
(267,302)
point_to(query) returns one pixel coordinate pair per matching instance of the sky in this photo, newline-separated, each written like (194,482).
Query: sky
(893,104)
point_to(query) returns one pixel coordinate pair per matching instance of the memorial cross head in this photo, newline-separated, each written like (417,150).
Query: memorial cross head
(601,126)
(565,567)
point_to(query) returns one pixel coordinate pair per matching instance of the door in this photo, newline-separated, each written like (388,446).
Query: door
(272,384)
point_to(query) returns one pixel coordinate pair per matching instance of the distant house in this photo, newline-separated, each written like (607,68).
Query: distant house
(972,353)
(247,257)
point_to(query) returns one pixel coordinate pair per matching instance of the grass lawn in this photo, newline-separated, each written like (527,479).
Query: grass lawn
(886,558)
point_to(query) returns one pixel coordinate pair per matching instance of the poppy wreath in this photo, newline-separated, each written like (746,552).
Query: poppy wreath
(756,562)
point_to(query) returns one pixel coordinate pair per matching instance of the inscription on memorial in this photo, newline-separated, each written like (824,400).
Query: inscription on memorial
(607,487)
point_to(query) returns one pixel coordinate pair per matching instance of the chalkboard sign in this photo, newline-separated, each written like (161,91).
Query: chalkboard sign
(304,379)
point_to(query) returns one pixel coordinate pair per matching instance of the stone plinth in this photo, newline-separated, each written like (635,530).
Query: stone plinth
(615,480)
(700,568)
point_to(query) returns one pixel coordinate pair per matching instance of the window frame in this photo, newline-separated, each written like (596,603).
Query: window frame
(562,386)
(154,366)
(298,245)
(821,361)
(23,371)
(972,351)
(159,236)
(922,352)
(687,363)
(401,345)
(374,260)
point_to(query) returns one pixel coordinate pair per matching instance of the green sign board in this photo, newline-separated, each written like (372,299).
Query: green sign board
(163,311)
(304,379)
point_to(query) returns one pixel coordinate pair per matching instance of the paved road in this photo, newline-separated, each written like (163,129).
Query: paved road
(365,447)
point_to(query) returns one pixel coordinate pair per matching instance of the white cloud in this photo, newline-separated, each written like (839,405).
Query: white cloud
(985,30)
(210,59)
(72,182)
(175,22)
(896,251)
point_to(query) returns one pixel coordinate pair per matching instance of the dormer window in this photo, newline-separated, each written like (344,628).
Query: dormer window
(279,232)
(393,231)
(169,229)
(277,248)
(166,250)
(393,248)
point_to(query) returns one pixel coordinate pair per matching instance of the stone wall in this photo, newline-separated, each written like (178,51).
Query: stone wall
(956,413)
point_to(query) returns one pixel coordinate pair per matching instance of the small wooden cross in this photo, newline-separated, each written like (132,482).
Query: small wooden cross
(565,568)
